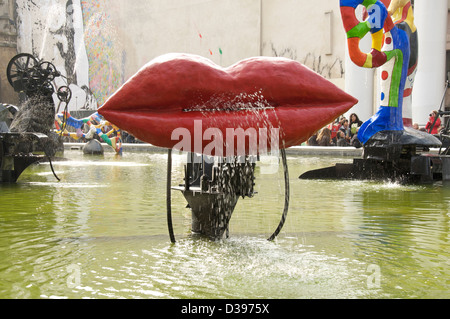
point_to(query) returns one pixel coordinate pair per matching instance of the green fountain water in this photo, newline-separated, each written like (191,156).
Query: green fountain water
(101,233)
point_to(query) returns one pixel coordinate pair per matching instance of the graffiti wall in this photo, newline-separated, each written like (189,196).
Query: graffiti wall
(106,54)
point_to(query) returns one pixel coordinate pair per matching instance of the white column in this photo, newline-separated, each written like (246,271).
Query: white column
(431,22)
(359,82)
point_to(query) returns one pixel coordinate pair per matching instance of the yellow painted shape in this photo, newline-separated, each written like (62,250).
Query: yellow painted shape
(377,40)
(369,63)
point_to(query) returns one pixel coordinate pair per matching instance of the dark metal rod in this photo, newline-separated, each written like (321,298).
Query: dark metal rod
(188,171)
(286,196)
(53,170)
(169,196)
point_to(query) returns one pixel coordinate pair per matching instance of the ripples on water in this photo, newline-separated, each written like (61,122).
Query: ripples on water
(101,233)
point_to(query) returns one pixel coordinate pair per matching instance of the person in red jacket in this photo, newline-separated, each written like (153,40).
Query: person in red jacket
(433,129)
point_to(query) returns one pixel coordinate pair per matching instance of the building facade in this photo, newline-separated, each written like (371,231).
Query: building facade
(8,48)
(99,44)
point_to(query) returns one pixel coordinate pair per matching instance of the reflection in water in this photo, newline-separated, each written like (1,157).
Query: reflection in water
(101,233)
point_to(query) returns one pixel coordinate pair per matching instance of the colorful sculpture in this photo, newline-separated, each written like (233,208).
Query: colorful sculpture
(402,14)
(391,52)
(190,94)
(97,125)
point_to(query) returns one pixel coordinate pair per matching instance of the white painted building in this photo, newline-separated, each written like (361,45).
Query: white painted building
(99,44)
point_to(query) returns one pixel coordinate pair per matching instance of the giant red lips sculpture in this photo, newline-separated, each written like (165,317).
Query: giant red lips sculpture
(188,103)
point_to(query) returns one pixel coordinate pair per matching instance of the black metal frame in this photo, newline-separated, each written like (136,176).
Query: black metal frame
(12,148)
(212,193)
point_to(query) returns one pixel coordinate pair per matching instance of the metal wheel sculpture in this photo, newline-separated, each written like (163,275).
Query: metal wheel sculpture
(21,72)
(64,94)
(27,74)
(48,71)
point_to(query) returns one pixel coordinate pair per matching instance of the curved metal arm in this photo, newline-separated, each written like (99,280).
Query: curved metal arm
(169,197)
(286,196)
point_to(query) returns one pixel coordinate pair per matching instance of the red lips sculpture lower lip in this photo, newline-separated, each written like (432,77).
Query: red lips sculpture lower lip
(177,90)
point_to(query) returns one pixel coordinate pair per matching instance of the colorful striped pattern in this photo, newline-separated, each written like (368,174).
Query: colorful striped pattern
(357,30)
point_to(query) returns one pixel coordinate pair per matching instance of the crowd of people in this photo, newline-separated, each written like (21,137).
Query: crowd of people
(344,132)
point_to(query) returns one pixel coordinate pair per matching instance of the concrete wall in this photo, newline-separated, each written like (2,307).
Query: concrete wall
(8,49)
(310,32)
(226,31)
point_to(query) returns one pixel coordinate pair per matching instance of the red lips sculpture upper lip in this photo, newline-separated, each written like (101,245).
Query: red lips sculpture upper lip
(174,90)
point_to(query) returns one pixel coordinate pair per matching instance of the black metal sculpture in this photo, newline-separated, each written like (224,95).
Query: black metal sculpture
(24,137)
(393,156)
(27,74)
(212,188)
